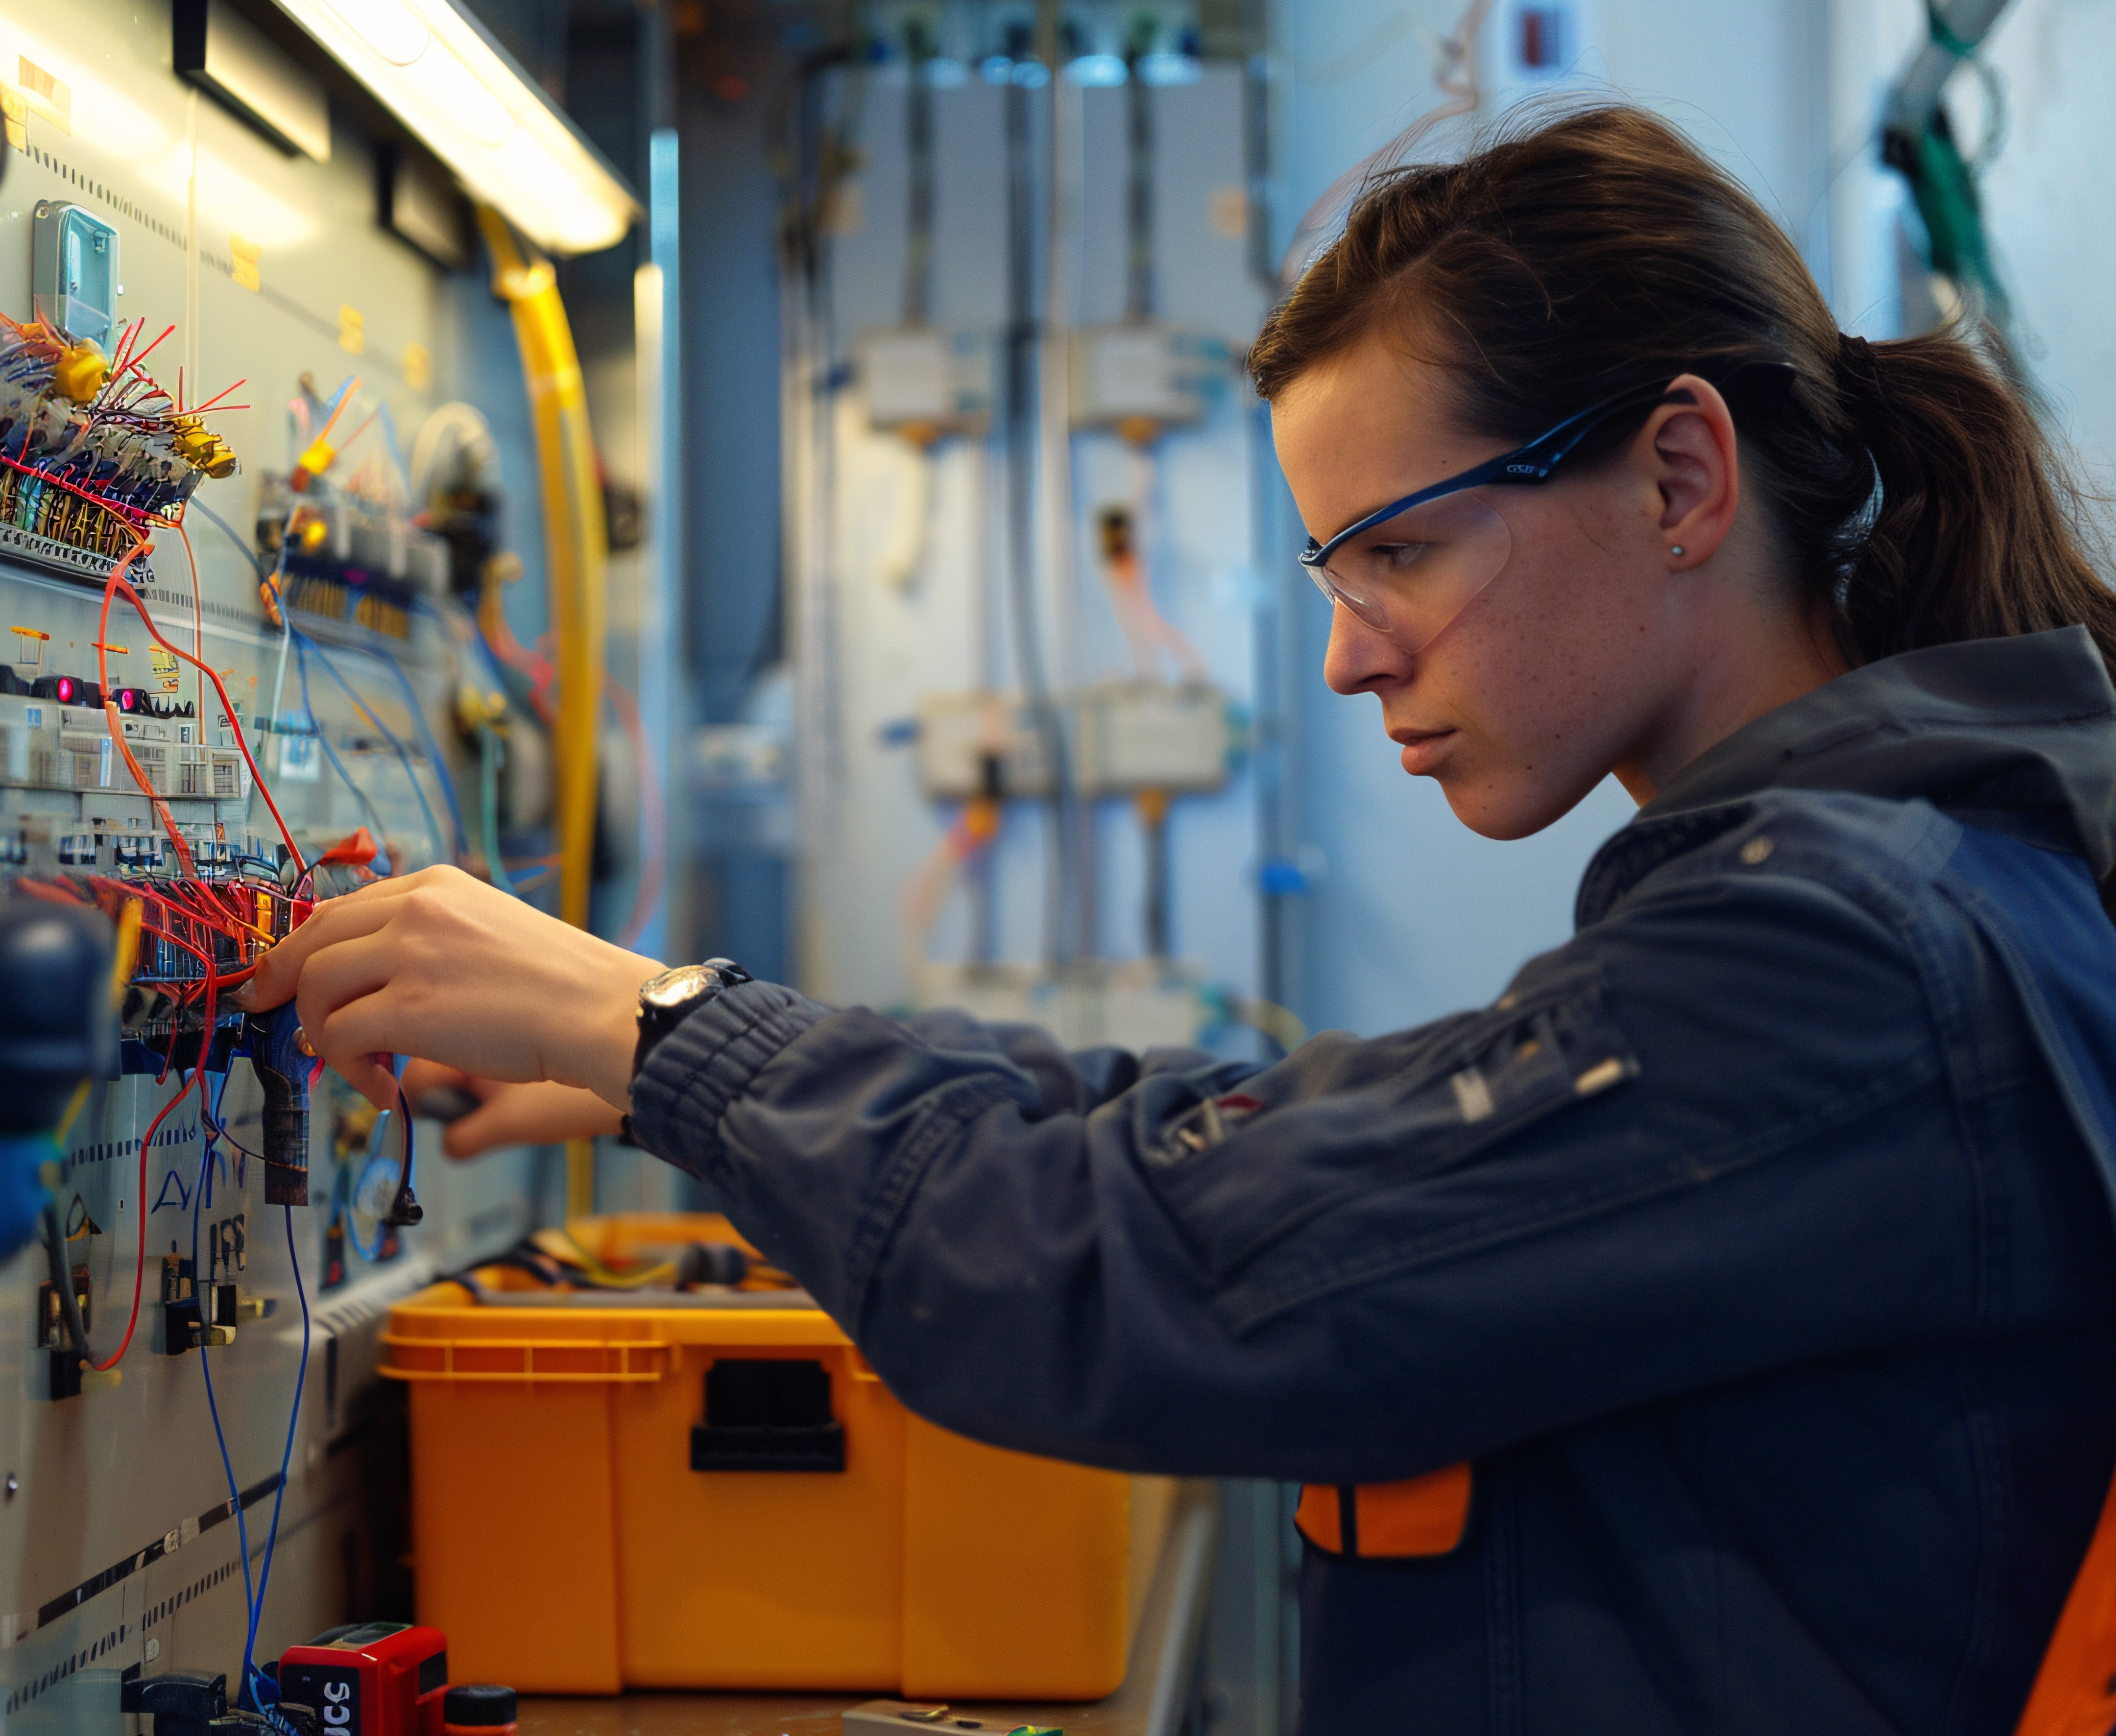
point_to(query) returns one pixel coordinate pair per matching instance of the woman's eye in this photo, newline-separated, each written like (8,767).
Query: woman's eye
(1399,556)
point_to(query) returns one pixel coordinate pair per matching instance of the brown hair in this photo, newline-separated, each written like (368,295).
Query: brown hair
(1920,498)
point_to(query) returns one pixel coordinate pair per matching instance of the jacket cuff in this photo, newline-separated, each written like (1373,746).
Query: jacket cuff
(693,1074)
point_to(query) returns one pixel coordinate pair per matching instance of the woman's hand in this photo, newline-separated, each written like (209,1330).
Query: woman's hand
(541,1114)
(444,968)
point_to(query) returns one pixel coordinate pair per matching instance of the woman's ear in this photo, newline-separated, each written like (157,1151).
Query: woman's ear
(1691,449)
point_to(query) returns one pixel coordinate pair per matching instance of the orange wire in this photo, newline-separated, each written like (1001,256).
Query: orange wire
(198,628)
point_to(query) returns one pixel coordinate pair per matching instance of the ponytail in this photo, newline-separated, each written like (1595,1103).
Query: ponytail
(1974,531)
(1918,496)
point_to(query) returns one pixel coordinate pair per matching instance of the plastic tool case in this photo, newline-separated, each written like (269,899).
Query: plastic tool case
(712,1489)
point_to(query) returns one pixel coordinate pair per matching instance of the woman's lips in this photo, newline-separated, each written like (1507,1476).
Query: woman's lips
(1423,748)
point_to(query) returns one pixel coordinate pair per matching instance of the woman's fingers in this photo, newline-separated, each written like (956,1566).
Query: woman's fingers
(372,1075)
(542,1114)
(339,974)
(443,967)
(334,919)
(422,1078)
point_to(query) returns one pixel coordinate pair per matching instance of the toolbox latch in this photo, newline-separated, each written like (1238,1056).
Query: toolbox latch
(768,1414)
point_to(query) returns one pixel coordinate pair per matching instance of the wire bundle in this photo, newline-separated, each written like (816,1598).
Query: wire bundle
(93,451)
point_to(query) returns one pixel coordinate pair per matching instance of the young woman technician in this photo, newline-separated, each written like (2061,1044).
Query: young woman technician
(1719,1330)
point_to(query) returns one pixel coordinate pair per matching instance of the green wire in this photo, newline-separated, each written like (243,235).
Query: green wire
(490,750)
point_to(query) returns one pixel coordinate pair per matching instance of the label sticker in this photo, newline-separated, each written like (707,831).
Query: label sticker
(299,761)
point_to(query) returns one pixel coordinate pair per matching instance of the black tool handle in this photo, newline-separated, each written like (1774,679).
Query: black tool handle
(282,1070)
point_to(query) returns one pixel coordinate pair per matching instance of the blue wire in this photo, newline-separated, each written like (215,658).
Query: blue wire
(488,806)
(407,1172)
(228,531)
(205,1367)
(430,746)
(322,740)
(488,797)
(403,758)
(433,750)
(367,1163)
(253,1593)
(286,1462)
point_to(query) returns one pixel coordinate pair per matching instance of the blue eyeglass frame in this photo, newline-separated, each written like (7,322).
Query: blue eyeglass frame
(1539,459)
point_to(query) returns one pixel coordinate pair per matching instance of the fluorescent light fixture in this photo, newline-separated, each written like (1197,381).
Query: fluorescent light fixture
(220,50)
(437,70)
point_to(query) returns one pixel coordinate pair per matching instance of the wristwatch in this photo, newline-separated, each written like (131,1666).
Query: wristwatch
(667,1000)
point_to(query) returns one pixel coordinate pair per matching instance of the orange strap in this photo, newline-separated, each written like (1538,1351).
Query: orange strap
(1422,1516)
(2075,1691)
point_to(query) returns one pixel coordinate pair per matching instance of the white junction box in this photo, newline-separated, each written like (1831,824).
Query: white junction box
(933,381)
(960,733)
(1138,1003)
(1134,736)
(1144,373)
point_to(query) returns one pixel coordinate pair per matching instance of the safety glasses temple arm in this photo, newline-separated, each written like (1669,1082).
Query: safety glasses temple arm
(1316,554)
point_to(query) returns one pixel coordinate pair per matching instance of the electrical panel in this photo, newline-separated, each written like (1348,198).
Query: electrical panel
(217,381)
(74,266)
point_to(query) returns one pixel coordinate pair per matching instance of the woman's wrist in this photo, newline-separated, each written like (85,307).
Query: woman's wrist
(595,1049)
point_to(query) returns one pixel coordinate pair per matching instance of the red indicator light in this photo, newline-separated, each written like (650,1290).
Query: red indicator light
(66,690)
(128,699)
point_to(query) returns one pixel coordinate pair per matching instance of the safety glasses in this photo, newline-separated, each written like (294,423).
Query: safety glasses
(1409,569)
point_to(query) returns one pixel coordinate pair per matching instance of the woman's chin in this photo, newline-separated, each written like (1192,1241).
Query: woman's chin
(1506,808)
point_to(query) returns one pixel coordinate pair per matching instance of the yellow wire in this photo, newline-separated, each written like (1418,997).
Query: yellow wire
(577,550)
(124,955)
(565,1246)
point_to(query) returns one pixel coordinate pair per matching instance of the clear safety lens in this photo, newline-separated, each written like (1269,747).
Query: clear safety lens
(1411,578)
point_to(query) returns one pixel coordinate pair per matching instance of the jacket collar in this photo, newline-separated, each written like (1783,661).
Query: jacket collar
(2020,732)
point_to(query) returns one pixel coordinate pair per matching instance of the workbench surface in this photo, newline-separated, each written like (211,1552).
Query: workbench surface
(794,1715)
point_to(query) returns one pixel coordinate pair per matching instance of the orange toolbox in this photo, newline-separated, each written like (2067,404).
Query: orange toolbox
(709,1487)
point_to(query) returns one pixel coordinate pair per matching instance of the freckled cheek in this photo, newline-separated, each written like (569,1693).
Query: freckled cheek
(1517,657)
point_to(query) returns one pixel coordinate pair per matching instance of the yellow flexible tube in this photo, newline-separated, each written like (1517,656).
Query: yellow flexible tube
(575,553)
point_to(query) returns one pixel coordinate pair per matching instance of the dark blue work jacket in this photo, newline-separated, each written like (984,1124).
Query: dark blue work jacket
(1755,1245)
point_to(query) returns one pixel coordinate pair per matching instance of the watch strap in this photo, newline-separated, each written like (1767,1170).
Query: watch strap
(665,1001)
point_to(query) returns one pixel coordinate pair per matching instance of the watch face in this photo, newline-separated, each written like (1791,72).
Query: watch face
(673,989)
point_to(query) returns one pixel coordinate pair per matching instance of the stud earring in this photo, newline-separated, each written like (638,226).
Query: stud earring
(1676,551)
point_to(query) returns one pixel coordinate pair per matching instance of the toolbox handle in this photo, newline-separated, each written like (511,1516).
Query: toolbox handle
(656,1366)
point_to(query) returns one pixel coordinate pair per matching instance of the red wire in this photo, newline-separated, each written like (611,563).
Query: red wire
(116,586)
(139,1268)
(115,724)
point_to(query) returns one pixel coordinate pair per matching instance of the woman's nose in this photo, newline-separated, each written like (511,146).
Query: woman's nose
(1361,659)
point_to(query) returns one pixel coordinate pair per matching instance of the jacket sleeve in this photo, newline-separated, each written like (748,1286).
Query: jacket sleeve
(1710,1138)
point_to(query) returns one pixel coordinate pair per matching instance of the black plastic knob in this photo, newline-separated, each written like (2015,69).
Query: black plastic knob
(478,1705)
(56,1025)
